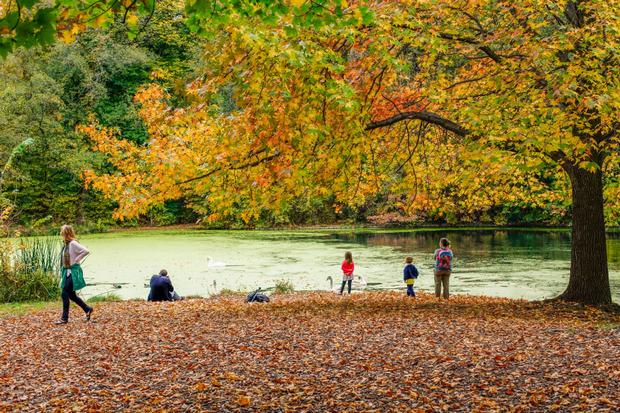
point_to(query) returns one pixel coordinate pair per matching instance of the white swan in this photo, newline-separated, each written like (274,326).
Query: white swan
(215,264)
(331,284)
(214,292)
(359,282)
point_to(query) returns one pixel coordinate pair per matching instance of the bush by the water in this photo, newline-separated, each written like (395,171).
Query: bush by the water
(110,297)
(283,287)
(29,271)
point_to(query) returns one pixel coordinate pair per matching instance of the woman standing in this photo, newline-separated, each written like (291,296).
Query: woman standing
(443,268)
(72,277)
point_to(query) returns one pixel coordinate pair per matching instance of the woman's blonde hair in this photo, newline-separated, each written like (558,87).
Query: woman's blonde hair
(67,233)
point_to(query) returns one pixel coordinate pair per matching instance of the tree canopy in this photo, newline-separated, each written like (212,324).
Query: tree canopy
(344,105)
(445,110)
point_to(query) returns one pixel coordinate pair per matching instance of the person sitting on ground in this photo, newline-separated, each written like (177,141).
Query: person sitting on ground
(410,274)
(162,289)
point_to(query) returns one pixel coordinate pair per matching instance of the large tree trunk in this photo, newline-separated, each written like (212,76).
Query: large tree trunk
(589,276)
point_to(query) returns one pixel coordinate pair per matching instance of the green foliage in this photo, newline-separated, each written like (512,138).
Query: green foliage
(284,286)
(24,286)
(46,93)
(30,271)
(105,298)
(30,23)
(39,255)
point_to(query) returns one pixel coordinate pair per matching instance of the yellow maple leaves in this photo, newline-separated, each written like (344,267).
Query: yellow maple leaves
(297,106)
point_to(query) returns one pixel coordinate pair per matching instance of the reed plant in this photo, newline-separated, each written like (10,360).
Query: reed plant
(21,286)
(29,269)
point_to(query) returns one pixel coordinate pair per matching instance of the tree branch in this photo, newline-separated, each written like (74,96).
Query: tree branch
(424,116)
(234,168)
(469,40)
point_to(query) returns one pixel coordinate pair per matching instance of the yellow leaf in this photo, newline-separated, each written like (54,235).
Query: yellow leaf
(100,20)
(201,386)
(132,19)
(243,401)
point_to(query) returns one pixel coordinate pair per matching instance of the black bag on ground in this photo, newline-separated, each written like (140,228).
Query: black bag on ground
(257,297)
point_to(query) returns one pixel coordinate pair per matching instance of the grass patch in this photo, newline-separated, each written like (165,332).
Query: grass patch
(608,325)
(228,291)
(23,308)
(284,287)
(105,298)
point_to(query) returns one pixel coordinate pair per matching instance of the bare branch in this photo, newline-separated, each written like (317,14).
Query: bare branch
(233,168)
(424,116)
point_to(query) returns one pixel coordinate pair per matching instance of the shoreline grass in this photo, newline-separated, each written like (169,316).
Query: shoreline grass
(27,307)
(193,229)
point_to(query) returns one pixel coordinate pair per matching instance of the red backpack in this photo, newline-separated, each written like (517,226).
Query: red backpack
(444,260)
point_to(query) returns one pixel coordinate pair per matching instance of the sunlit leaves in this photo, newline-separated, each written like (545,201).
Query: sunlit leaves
(36,22)
(286,89)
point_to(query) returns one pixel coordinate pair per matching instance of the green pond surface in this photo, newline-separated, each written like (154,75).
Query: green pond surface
(505,263)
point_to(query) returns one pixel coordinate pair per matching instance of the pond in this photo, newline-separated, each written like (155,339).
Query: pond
(507,263)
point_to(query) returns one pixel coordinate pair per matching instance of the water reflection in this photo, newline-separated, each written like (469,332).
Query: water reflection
(517,264)
(479,244)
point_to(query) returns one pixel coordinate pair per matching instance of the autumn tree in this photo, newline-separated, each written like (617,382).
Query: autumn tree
(46,91)
(333,95)
(539,80)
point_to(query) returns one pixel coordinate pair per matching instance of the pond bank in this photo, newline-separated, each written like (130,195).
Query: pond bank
(342,227)
(347,227)
(296,354)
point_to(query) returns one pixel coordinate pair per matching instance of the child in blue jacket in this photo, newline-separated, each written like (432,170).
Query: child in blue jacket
(410,274)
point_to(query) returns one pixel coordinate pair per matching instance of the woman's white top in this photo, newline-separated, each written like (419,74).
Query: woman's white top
(77,252)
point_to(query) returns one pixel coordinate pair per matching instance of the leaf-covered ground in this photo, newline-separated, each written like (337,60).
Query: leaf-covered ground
(314,352)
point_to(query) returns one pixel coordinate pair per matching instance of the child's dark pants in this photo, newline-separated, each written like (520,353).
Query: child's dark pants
(410,291)
(342,286)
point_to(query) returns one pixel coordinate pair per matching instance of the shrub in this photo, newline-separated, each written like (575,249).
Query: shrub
(105,298)
(283,287)
(28,286)
(30,271)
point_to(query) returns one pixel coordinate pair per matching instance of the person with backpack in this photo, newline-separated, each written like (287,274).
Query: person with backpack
(443,268)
